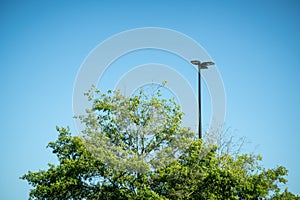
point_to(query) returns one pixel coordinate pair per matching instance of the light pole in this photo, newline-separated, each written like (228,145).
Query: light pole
(201,65)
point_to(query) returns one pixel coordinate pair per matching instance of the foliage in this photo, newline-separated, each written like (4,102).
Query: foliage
(139,133)
(135,148)
(286,195)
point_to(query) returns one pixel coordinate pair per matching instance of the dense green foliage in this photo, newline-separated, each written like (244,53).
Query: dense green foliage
(135,148)
(141,133)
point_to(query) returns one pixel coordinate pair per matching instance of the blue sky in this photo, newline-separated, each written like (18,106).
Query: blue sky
(255,44)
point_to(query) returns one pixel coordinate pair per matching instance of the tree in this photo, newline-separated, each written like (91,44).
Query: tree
(140,133)
(135,148)
(286,195)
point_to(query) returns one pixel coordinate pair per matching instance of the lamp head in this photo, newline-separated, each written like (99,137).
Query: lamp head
(195,62)
(203,65)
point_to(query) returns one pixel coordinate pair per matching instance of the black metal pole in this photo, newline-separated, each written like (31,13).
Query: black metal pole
(199,102)
(199,113)
(200,65)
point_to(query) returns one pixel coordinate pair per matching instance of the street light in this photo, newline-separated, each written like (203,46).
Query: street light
(201,65)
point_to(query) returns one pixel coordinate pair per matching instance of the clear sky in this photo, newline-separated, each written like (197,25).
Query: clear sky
(255,44)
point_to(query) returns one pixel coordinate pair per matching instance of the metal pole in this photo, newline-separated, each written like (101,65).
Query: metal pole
(199,102)
(199,113)
(200,65)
